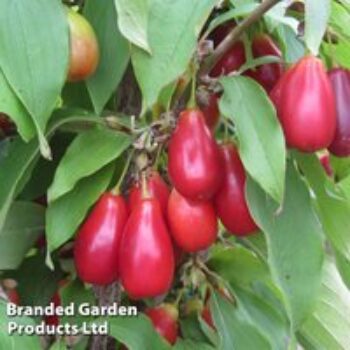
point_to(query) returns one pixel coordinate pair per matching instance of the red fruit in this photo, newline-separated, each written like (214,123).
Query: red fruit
(326,164)
(267,74)
(84,51)
(193,224)
(230,202)
(194,158)
(210,109)
(340,80)
(157,188)
(146,256)
(13,296)
(276,92)
(97,243)
(54,319)
(220,32)
(164,319)
(5,123)
(231,61)
(306,106)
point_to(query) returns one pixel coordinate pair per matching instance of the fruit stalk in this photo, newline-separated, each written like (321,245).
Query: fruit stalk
(234,35)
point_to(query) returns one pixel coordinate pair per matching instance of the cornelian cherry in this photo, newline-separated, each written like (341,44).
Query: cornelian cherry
(146,256)
(231,61)
(157,188)
(164,318)
(97,244)
(193,224)
(210,109)
(340,80)
(305,105)
(230,202)
(267,74)
(54,320)
(194,159)
(84,50)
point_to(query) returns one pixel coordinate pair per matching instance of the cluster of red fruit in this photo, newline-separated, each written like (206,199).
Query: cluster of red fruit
(134,242)
(312,107)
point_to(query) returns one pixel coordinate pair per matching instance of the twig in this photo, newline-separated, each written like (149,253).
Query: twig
(105,295)
(234,35)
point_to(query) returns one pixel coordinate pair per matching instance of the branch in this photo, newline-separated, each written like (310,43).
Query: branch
(234,35)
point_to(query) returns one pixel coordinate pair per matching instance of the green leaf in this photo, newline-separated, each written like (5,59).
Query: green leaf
(76,95)
(343,266)
(261,141)
(137,333)
(12,106)
(34,56)
(238,265)
(293,48)
(16,341)
(133,21)
(13,167)
(333,207)
(42,175)
(191,328)
(76,293)
(317,14)
(59,345)
(16,164)
(64,215)
(24,223)
(88,153)
(329,325)
(276,16)
(172,30)
(188,344)
(234,329)
(294,238)
(340,51)
(114,51)
(36,282)
(339,20)
(267,319)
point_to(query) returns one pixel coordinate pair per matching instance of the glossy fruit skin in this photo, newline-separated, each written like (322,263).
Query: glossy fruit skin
(194,160)
(84,50)
(340,80)
(230,202)
(231,61)
(164,319)
(146,256)
(307,107)
(210,110)
(53,320)
(193,224)
(276,92)
(97,244)
(157,188)
(267,74)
